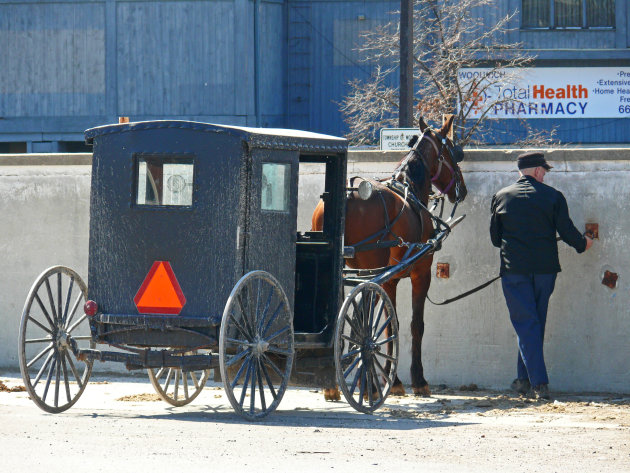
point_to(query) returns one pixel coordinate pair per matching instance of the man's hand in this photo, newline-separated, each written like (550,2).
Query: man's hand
(589,242)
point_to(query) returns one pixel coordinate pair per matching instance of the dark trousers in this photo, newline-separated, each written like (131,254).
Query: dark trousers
(527,297)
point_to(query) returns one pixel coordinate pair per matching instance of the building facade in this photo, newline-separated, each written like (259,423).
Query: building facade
(67,66)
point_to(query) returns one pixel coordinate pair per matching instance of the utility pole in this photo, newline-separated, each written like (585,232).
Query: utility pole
(405,100)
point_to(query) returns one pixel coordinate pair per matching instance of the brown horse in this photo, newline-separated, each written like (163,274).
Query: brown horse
(387,215)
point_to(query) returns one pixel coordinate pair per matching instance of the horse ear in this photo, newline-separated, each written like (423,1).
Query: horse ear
(447,125)
(422,125)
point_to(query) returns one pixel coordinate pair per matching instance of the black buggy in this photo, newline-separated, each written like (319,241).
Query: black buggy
(195,265)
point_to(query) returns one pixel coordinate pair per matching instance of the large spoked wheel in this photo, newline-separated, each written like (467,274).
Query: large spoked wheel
(366,347)
(52,322)
(176,386)
(256,345)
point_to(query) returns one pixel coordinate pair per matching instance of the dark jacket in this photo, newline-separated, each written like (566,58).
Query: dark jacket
(524,222)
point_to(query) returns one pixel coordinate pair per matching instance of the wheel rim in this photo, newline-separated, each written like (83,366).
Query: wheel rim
(256,345)
(176,386)
(366,347)
(52,322)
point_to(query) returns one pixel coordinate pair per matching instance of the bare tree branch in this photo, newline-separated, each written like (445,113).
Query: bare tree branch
(448,35)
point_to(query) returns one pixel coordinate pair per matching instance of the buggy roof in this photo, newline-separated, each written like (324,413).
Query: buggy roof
(275,138)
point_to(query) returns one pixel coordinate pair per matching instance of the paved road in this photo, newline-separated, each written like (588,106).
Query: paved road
(112,428)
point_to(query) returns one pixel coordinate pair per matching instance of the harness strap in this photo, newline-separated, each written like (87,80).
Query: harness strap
(363,245)
(467,293)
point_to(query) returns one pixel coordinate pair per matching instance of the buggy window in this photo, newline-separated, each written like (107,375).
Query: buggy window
(275,187)
(164,180)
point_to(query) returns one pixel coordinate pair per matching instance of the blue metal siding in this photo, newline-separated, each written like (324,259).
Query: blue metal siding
(176,58)
(323,37)
(52,60)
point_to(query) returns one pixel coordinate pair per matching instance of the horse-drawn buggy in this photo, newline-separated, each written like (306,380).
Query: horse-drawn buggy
(195,264)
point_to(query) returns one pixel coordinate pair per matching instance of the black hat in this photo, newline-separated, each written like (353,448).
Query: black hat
(532,159)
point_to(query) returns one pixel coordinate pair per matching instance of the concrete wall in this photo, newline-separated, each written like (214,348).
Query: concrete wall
(44,203)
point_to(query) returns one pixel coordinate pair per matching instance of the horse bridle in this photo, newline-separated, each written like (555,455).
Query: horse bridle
(455,176)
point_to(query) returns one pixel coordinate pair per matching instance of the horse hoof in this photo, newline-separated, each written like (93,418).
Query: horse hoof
(332,394)
(424,391)
(397,390)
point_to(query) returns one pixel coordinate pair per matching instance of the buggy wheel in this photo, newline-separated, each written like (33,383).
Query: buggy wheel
(176,386)
(256,345)
(52,328)
(366,347)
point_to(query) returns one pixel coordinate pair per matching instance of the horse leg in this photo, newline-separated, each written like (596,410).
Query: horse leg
(420,281)
(390,288)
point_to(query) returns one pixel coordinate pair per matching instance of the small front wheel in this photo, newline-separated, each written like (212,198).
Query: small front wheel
(53,326)
(256,345)
(176,386)
(366,347)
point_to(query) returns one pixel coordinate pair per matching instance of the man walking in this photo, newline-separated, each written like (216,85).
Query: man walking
(525,218)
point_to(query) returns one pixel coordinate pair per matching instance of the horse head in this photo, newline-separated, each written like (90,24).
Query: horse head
(434,152)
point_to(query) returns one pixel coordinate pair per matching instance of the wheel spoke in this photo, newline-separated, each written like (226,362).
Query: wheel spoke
(260,386)
(77,323)
(245,319)
(234,359)
(268,378)
(176,384)
(378,317)
(385,374)
(74,371)
(159,374)
(351,367)
(49,377)
(375,381)
(265,311)
(272,319)
(167,383)
(370,312)
(252,390)
(59,297)
(356,379)
(45,329)
(362,384)
(351,340)
(255,320)
(68,297)
(185,380)
(50,298)
(45,312)
(82,337)
(75,306)
(246,382)
(280,351)
(239,373)
(236,341)
(194,379)
(65,376)
(273,366)
(351,353)
(369,385)
(385,324)
(42,369)
(57,375)
(38,340)
(356,319)
(39,355)
(240,328)
(387,340)
(278,333)
(386,356)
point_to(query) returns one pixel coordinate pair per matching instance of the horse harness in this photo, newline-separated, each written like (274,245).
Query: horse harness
(403,190)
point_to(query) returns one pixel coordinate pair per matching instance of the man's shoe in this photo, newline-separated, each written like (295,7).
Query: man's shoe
(521,386)
(541,392)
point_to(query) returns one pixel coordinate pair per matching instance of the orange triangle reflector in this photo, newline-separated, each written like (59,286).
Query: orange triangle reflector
(160,292)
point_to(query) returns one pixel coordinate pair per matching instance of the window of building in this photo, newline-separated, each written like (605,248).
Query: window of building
(561,14)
